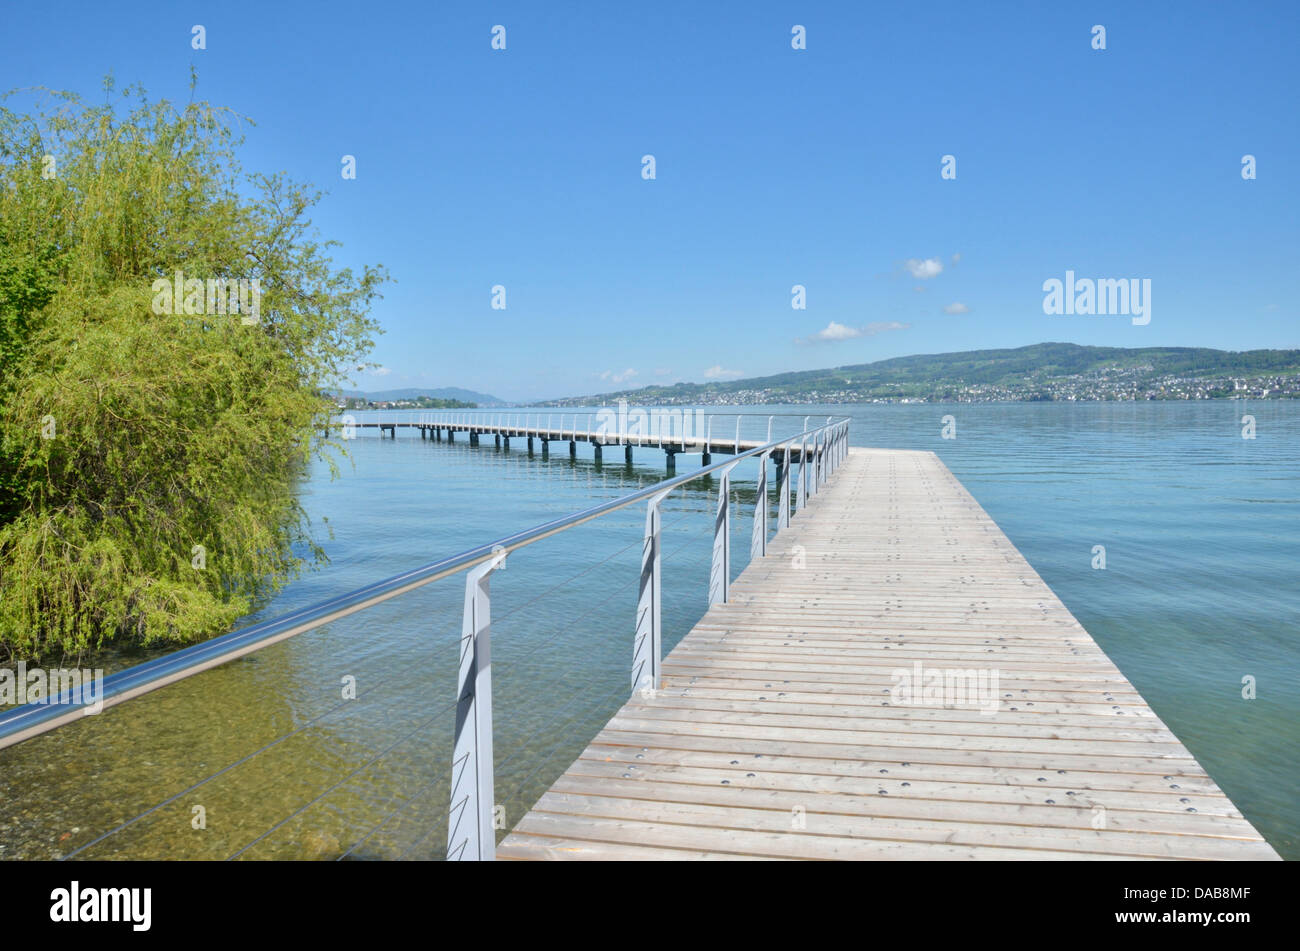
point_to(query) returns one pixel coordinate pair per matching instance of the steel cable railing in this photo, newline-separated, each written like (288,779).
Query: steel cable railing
(816,450)
(560,736)
(349,705)
(329,789)
(319,718)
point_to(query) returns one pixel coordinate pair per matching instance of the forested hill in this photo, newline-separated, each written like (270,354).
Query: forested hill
(1044,371)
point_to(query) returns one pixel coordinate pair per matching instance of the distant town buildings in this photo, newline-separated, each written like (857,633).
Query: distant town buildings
(1130,383)
(421,402)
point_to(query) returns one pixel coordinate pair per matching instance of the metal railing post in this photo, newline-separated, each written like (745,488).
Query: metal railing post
(647,645)
(815,450)
(720,570)
(758,537)
(783,506)
(827,464)
(801,501)
(820,468)
(470,832)
(818,460)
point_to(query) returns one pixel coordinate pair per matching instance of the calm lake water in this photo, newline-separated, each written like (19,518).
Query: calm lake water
(263,758)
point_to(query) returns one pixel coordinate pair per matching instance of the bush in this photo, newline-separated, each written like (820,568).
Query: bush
(148,460)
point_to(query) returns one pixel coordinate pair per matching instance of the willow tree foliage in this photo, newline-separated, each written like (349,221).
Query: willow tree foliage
(148,458)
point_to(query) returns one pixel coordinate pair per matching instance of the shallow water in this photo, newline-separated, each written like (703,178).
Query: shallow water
(1199,590)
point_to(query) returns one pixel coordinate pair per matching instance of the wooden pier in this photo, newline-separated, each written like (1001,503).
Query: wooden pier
(782,729)
(535,434)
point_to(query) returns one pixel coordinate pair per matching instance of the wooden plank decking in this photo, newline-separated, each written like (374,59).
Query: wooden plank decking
(776,736)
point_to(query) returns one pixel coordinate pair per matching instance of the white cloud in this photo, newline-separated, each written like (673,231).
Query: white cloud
(924,270)
(716,372)
(956,258)
(834,332)
(613,377)
(956,307)
(381,371)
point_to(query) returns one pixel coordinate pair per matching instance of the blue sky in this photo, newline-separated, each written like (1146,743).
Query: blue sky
(774,167)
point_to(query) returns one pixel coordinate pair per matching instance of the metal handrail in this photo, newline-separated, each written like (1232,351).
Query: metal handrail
(829,445)
(414,416)
(32,719)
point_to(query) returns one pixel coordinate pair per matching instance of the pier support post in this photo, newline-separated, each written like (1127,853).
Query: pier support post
(706,458)
(451,435)
(670,463)
(546,448)
(498,439)
(573,449)
(627,454)
(530,445)
(596,449)
(505,442)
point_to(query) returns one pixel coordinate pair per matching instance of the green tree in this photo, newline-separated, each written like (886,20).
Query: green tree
(148,459)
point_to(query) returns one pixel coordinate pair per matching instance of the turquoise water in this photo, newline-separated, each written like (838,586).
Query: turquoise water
(1200,590)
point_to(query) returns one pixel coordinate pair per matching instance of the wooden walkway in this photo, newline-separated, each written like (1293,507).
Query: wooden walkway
(776,734)
(673,442)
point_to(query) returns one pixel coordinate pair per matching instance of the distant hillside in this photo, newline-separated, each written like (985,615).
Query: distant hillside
(1044,371)
(442,393)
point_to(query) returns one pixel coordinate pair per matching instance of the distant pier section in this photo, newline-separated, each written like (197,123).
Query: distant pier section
(693,434)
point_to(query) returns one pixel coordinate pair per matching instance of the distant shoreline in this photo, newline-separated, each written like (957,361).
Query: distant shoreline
(1038,373)
(907,401)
